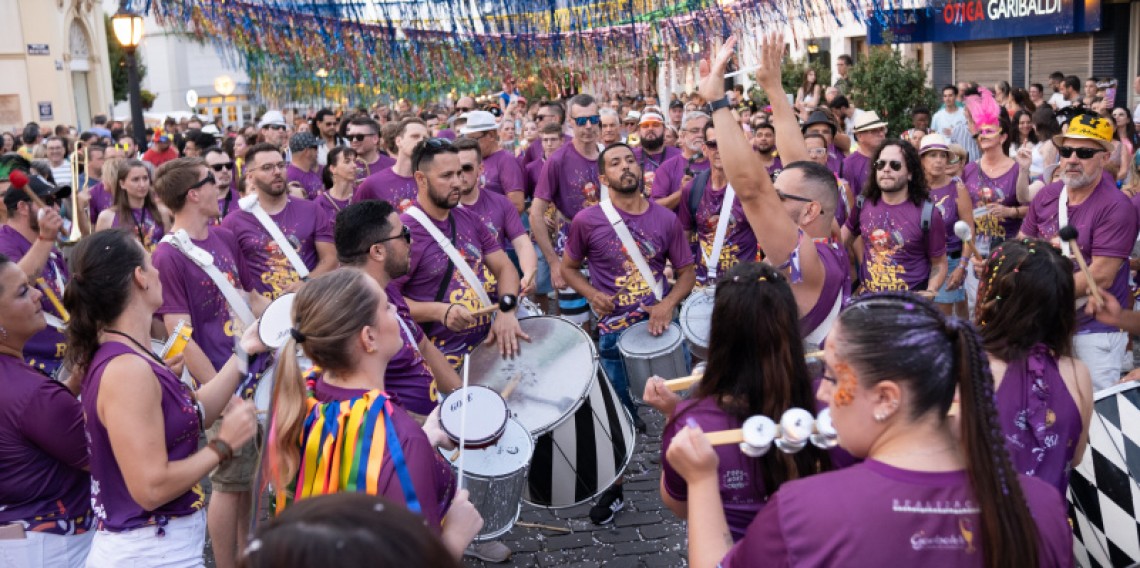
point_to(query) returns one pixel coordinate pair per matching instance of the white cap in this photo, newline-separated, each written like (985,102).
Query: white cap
(479,121)
(271,117)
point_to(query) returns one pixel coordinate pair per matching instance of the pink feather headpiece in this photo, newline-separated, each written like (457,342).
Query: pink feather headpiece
(984,109)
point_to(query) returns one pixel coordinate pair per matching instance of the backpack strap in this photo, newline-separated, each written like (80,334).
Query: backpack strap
(927,214)
(700,182)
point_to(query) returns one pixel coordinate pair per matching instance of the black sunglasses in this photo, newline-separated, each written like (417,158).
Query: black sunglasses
(786,196)
(275,126)
(209,179)
(222,167)
(894,164)
(405,234)
(710,144)
(1082,153)
(429,147)
(462,109)
(358,137)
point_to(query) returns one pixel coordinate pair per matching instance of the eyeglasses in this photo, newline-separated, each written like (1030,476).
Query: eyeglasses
(786,196)
(584,120)
(268,168)
(208,180)
(894,164)
(710,144)
(813,151)
(275,126)
(405,233)
(358,137)
(222,167)
(1082,153)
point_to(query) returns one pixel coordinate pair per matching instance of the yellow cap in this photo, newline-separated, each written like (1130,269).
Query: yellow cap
(1088,127)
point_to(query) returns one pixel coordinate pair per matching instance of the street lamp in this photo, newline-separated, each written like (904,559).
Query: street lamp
(128,28)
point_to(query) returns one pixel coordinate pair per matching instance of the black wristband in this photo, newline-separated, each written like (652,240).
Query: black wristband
(719,104)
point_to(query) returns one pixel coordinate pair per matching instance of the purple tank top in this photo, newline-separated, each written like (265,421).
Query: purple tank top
(1039,418)
(114,508)
(836,281)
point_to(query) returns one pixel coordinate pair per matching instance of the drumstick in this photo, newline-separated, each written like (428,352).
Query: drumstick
(683,383)
(463,420)
(514,382)
(962,230)
(19,180)
(505,304)
(1069,233)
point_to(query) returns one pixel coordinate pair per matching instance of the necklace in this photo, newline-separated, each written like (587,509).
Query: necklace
(136,344)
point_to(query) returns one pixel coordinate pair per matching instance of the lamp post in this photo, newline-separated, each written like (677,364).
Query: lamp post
(128,28)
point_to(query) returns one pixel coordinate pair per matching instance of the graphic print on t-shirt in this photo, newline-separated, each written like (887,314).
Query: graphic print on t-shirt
(885,273)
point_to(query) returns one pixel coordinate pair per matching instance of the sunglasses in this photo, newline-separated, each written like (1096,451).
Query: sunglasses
(710,144)
(275,126)
(584,120)
(786,196)
(429,146)
(222,167)
(894,164)
(463,109)
(208,180)
(405,233)
(467,168)
(1082,153)
(358,137)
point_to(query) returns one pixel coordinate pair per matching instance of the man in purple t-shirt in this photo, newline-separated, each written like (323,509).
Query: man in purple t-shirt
(396,184)
(652,152)
(303,168)
(363,135)
(617,291)
(1106,227)
(303,224)
(29,240)
(502,173)
(439,296)
(902,233)
(678,171)
(370,236)
(870,132)
(550,112)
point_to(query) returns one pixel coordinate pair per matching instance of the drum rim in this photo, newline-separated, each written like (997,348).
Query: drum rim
(651,354)
(280,301)
(687,308)
(481,476)
(485,440)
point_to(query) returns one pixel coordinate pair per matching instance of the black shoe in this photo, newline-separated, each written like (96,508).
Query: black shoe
(639,424)
(610,503)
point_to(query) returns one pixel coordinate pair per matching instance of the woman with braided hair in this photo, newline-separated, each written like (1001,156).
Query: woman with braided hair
(924,495)
(1044,395)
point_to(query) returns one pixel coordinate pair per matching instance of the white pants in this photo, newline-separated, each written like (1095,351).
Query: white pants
(181,547)
(970,284)
(38,550)
(1103,353)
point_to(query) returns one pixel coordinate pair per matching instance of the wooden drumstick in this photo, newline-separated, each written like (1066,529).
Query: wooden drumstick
(1069,234)
(19,180)
(962,230)
(683,383)
(506,303)
(511,384)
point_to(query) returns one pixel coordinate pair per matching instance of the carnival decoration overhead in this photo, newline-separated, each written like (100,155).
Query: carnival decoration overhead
(424,49)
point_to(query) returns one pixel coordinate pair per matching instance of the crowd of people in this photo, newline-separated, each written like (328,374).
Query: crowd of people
(959,366)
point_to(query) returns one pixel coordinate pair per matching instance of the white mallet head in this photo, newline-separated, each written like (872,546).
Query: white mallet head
(759,432)
(962,229)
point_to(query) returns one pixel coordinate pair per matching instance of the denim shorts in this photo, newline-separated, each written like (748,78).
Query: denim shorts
(955,296)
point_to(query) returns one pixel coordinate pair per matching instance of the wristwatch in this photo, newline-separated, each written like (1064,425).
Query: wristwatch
(508,302)
(719,104)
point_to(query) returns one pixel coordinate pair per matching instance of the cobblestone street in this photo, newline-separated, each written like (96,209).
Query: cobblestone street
(644,534)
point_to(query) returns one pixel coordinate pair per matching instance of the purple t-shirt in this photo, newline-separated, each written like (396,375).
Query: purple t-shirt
(408,377)
(985,190)
(500,217)
(570,182)
(534,152)
(532,171)
(855,169)
(1106,226)
(331,205)
(945,198)
(143,226)
(836,285)
(896,251)
(650,163)
(739,240)
(886,516)
(660,238)
(302,222)
(387,185)
(45,349)
(742,489)
(667,178)
(225,208)
(1040,419)
(100,200)
(383,162)
(115,509)
(427,264)
(502,173)
(311,181)
(186,289)
(43,451)
(431,477)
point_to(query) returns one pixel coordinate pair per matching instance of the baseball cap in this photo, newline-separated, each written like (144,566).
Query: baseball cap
(42,187)
(676,103)
(650,117)
(302,141)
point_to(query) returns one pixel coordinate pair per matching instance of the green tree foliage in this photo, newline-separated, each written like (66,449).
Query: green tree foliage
(792,74)
(884,82)
(117,57)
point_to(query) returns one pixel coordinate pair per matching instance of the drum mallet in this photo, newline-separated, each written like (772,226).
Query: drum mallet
(1069,234)
(796,429)
(463,421)
(684,383)
(506,304)
(962,230)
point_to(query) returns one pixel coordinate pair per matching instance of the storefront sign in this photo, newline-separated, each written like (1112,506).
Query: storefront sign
(965,20)
(45,110)
(38,49)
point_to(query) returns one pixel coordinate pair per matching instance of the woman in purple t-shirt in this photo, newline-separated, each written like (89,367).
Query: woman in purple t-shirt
(752,369)
(925,494)
(340,419)
(1044,394)
(340,181)
(45,498)
(143,423)
(134,205)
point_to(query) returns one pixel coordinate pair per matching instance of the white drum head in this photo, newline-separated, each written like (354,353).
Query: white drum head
(638,342)
(696,316)
(276,322)
(486,415)
(509,454)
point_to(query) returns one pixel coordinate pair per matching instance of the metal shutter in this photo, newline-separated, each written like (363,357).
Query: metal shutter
(984,62)
(1069,55)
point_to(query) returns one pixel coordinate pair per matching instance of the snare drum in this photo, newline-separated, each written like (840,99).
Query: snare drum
(584,456)
(528,309)
(495,477)
(554,372)
(696,320)
(645,355)
(486,416)
(277,321)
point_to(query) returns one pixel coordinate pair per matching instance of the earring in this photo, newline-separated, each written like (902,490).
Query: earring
(879,417)
(370,349)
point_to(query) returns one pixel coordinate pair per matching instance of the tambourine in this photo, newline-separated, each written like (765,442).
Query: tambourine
(796,429)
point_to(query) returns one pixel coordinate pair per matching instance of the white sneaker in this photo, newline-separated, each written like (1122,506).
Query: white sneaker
(492,551)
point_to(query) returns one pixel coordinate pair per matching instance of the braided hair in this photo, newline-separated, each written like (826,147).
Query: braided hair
(901,337)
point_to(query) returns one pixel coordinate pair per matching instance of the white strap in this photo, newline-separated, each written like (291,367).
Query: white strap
(712,262)
(1063,218)
(817,335)
(408,333)
(449,249)
(249,203)
(631,247)
(181,242)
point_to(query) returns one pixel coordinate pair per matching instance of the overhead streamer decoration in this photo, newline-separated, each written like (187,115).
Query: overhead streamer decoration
(423,50)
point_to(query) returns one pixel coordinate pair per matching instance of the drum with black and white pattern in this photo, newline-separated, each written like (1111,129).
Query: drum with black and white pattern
(1104,494)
